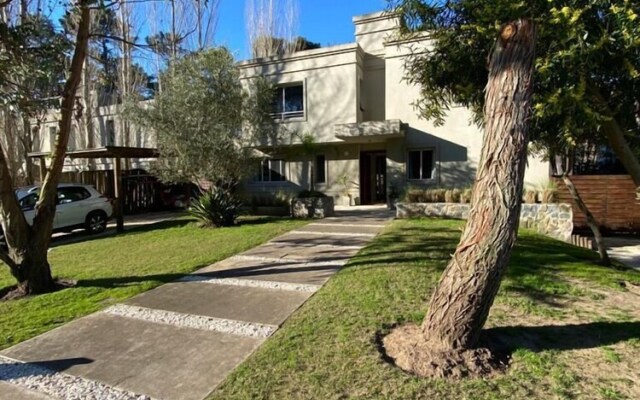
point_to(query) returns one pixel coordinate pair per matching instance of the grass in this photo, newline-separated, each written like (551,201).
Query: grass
(111,269)
(570,325)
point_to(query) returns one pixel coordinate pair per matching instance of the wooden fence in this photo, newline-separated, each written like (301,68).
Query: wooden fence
(140,192)
(611,199)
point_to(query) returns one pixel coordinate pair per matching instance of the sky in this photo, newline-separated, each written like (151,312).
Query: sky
(325,21)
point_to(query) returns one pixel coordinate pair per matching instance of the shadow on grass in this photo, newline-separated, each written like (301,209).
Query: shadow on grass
(82,236)
(507,340)
(111,283)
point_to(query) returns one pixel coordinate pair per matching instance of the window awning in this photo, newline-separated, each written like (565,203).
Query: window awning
(370,131)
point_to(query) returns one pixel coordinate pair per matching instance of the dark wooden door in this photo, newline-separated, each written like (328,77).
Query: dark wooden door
(373,177)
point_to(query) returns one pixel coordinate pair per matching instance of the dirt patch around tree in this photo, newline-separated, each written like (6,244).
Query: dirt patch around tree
(14,293)
(405,345)
(596,336)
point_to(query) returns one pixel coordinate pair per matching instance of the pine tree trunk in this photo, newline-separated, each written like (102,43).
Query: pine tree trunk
(460,304)
(591,221)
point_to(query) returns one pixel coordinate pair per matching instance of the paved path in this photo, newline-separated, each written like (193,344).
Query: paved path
(180,340)
(625,250)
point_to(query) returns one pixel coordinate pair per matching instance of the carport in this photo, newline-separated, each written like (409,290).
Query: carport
(117,154)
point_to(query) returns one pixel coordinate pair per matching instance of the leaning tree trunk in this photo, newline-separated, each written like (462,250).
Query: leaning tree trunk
(616,138)
(591,221)
(460,304)
(26,253)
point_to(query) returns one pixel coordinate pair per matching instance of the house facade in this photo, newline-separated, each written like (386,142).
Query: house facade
(368,141)
(107,128)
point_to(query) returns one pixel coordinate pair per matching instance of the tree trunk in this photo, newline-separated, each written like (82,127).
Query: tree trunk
(616,138)
(591,221)
(27,246)
(460,304)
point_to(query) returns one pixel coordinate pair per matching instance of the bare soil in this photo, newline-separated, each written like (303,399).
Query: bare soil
(593,334)
(407,347)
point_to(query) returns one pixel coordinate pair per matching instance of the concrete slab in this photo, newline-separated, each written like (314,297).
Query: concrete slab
(161,361)
(336,226)
(293,272)
(13,392)
(308,240)
(230,302)
(294,252)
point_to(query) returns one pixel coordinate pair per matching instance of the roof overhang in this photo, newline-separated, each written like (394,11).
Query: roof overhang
(370,131)
(106,152)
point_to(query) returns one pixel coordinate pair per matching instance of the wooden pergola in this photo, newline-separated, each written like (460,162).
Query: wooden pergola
(116,153)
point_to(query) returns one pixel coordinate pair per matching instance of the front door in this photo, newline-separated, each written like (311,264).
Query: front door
(373,177)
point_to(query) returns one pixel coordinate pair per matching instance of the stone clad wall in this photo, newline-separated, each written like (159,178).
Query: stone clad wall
(555,220)
(312,207)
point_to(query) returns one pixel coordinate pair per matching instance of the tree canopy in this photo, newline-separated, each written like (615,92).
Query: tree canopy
(586,71)
(199,116)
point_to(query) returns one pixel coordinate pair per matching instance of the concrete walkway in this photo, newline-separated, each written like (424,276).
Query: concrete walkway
(625,250)
(180,340)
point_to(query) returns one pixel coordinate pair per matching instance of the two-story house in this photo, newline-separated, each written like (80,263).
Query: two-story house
(368,138)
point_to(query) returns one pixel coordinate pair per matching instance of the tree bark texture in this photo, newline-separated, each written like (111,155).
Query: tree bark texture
(460,304)
(27,246)
(591,221)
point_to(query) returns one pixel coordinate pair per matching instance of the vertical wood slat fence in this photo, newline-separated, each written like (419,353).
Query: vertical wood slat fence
(610,198)
(141,192)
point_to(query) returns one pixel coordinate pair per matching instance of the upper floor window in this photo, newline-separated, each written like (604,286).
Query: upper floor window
(420,164)
(111,133)
(53,132)
(288,101)
(321,169)
(271,170)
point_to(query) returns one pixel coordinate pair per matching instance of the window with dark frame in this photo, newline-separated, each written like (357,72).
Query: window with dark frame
(53,132)
(271,170)
(321,169)
(420,164)
(111,133)
(288,101)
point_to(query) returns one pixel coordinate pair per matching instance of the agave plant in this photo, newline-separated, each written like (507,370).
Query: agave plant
(216,207)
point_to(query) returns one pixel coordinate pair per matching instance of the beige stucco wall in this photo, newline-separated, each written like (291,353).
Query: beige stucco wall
(363,82)
(80,139)
(330,79)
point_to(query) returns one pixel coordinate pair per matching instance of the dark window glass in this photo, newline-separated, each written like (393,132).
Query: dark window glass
(321,176)
(420,164)
(272,171)
(111,133)
(414,165)
(71,194)
(293,98)
(28,202)
(427,164)
(288,101)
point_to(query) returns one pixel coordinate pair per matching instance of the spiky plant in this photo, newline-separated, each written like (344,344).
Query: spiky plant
(216,207)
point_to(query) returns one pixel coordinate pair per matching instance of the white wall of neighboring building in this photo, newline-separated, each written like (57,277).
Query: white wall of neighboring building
(80,139)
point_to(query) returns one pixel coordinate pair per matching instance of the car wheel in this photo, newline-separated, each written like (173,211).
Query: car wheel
(96,222)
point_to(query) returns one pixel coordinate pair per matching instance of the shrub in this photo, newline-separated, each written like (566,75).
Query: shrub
(530,196)
(216,207)
(455,195)
(465,197)
(310,194)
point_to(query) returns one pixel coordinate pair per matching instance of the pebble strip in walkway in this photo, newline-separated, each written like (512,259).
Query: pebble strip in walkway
(180,340)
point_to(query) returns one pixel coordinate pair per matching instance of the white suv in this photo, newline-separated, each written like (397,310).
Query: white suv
(78,206)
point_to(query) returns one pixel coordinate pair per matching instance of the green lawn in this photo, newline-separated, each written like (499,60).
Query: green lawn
(111,269)
(572,327)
